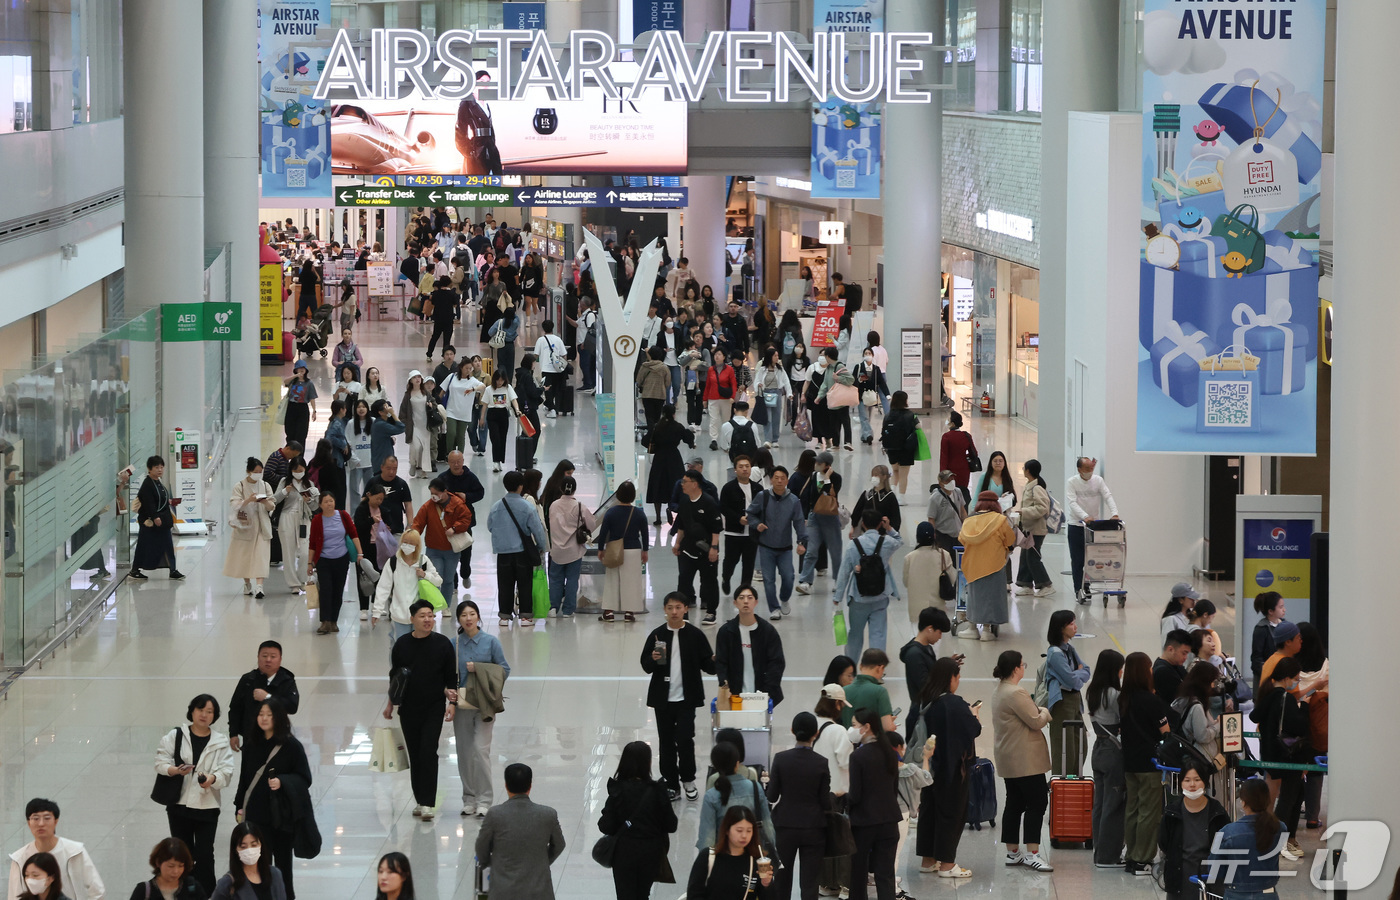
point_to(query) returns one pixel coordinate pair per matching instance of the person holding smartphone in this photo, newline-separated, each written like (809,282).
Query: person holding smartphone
(155,547)
(204,759)
(250,516)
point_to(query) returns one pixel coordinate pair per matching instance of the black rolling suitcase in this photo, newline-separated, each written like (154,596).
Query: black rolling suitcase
(524,452)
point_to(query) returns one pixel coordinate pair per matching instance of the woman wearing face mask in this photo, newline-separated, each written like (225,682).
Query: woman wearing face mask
(771,389)
(276,763)
(299,499)
(653,382)
(171,865)
(695,360)
(838,418)
(880,497)
(530,396)
(1244,845)
(873,805)
(870,381)
(1189,824)
(250,515)
(398,585)
(332,538)
(669,339)
(799,369)
(204,760)
(1022,758)
(251,874)
(43,880)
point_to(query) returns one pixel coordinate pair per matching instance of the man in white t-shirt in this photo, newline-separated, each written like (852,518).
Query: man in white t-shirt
(587,348)
(554,359)
(674,655)
(749,651)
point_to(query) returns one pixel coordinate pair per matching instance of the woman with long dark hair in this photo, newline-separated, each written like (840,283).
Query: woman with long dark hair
(1284,731)
(357,466)
(732,787)
(639,814)
(1022,759)
(553,486)
(943,804)
(1144,720)
(332,537)
(1245,843)
(900,440)
(1110,790)
(667,467)
(841,670)
(265,763)
(1192,707)
(499,405)
(1031,577)
(251,874)
(955,450)
(730,869)
(394,877)
(799,367)
(42,878)
(323,471)
(1065,677)
(873,806)
(473,728)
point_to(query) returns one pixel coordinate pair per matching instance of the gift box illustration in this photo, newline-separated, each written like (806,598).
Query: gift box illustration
(1278,343)
(1228,393)
(1177,358)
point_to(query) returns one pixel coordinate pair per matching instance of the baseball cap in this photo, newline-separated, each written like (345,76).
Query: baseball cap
(1286,631)
(1181,590)
(924,534)
(836,692)
(825,458)
(945,475)
(695,461)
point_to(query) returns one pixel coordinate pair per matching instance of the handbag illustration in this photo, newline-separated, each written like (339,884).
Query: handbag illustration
(1244,244)
(387,751)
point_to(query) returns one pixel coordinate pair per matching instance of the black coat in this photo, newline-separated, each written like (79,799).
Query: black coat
(696,657)
(800,784)
(918,662)
(768,661)
(243,709)
(885,502)
(950,719)
(1169,838)
(874,795)
(155,548)
(292,811)
(667,467)
(255,799)
(638,809)
(732,504)
(899,437)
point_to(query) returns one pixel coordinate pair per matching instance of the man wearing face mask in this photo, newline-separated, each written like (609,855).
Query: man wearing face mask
(441,518)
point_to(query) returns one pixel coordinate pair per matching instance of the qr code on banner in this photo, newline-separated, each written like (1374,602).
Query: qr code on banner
(846,178)
(296,177)
(1229,404)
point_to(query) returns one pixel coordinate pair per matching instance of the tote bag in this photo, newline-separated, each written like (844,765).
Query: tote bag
(387,751)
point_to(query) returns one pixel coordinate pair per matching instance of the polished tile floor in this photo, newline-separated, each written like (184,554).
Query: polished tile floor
(82,729)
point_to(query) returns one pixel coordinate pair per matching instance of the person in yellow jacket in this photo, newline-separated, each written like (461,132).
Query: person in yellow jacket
(987,538)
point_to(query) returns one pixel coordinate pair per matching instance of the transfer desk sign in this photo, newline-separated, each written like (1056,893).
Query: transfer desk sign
(1228,277)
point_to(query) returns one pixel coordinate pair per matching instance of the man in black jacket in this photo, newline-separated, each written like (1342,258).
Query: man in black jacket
(464,483)
(749,652)
(696,547)
(695,464)
(918,657)
(367,512)
(734,500)
(675,655)
(801,780)
(269,679)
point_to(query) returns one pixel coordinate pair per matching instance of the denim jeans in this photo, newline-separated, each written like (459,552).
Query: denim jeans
(858,615)
(674,396)
(563,585)
(774,427)
(864,412)
(775,564)
(586,363)
(445,561)
(396,631)
(822,531)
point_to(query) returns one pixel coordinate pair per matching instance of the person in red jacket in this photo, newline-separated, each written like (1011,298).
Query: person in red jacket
(720,388)
(332,535)
(955,448)
(443,516)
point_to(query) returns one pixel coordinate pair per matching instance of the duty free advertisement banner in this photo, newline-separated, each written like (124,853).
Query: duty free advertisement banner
(846,136)
(295,128)
(1228,287)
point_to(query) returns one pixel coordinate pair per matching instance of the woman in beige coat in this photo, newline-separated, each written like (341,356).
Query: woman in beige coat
(1022,758)
(250,515)
(1031,577)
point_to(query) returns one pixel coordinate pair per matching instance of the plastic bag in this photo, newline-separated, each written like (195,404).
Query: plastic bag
(387,751)
(429,591)
(540,593)
(924,452)
(838,624)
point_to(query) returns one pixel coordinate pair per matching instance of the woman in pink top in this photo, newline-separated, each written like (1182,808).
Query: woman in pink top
(570,524)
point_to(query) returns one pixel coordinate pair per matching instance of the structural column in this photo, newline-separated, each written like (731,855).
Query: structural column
(165,183)
(560,18)
(1080,73)
(704,230)
(231,170)
(913,194)
(1362,617)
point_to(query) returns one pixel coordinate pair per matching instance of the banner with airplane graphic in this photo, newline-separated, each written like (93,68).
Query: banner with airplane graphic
(295,129)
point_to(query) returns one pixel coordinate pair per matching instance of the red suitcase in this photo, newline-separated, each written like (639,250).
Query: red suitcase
(289,346)
(1072,796)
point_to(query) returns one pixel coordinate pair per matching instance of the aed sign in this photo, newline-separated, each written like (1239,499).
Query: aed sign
(831,232)
(201,322)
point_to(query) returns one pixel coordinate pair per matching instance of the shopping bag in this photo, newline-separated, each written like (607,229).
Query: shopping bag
(838,624)
(279,415)
(924,451)
(429,591)
(313,595)
(527,427)
(387,752)
(415,306)
(540,593)
(385,543)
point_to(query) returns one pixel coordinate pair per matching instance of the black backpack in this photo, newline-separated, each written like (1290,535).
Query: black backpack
(742,441)
(870,571)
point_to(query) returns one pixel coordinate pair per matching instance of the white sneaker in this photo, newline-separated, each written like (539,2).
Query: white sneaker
(1045,591)
(1292,851)
(1014,858)
(553,613)
(803,589)
(428,813)
(787,609)
(247,589)
(1035,862)
(775,616)
(1024,589)
(551,414)
(417,811)
(364,615)
(986,634)
(481,810)
(690,790)
(757,577)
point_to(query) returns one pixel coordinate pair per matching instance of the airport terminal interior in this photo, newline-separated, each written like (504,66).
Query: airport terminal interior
(1073,237)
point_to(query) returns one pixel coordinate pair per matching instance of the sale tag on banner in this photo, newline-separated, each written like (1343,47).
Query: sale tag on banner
(828,322)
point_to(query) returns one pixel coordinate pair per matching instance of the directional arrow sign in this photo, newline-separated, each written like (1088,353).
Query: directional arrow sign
(386,195)
(651,198)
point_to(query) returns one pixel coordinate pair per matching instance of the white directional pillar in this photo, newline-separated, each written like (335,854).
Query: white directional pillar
(703,228)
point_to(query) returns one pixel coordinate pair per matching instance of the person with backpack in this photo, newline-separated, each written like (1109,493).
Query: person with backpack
(1022,759)
(919,656)
(946,510)
(586,343)
(1058,688)
(866,582)
(774,516)
(739,545)
(1144,720)
(733,788)
(899,437)
(554,364)
(739,436)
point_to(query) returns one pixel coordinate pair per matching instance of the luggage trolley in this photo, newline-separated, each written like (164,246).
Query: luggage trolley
(1106,559)
(756,725)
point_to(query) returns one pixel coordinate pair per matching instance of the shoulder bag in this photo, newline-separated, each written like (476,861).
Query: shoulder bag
(826,504)
(398,683)
(168,788)
(527,540)
(605,849)
(581,533)
(257,776)
(458,542)
(613,550)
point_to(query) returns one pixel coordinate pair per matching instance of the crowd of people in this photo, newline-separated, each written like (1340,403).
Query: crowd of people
(832,815)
